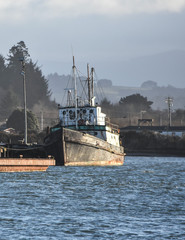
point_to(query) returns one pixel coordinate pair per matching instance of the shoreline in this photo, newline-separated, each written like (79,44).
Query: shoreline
(131,153)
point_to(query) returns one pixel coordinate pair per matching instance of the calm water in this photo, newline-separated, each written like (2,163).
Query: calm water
(144,199)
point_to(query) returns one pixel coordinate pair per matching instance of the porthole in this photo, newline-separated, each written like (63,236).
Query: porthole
(91,111)
(64,112)
(84,111)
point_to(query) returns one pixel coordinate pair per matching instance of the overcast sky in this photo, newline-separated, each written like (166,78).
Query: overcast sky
(105,33)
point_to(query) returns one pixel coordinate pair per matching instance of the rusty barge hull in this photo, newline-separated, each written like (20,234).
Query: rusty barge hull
(25,164)
(75,148)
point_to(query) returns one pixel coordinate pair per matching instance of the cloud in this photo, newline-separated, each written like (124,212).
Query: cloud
(27,9)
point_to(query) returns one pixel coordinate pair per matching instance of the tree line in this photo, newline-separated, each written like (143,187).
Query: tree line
(126,112)
(131,108)
(11,82)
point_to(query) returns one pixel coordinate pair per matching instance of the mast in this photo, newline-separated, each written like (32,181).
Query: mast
(92,86)
(89,85)
(75,91)
(22,60)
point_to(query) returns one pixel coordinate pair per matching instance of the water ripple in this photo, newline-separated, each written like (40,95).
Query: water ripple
(144,199)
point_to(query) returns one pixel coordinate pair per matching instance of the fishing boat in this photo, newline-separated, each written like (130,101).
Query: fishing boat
(83,136)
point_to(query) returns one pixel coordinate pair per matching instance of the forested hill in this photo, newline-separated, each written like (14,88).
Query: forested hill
(11,81)
(150,89)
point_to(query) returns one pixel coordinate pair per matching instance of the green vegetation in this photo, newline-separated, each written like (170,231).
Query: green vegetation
(33,137)
(11,82)
(16,121)
(131,108)
(134,107)
(148,143)
(125,112)
(135,103)
(11,87)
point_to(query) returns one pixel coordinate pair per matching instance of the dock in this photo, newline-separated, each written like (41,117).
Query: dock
(25,164)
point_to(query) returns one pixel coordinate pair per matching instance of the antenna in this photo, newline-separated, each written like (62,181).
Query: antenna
(89,85)
(75,91)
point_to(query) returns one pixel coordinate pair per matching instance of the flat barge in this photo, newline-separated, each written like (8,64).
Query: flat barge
(23,158)
(25,164)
